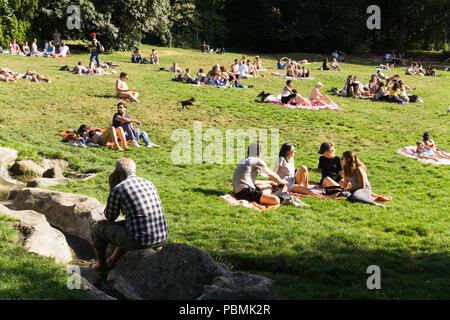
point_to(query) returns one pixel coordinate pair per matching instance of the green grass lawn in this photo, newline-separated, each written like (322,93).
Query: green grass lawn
(318,252)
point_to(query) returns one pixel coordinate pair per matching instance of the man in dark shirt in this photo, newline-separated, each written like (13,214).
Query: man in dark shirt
(121,119)
(144,225)
(330,166)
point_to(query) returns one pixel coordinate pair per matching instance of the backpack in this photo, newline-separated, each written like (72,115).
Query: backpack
(65,68)
(100,47)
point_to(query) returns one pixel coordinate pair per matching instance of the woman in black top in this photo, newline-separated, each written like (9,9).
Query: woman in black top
(325,64)
(330,166)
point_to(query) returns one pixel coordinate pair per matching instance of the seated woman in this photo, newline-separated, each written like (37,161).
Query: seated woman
(429,143)
(136,56)
(334,66)
(36,77)
(290,95)
(430,71)
(26,49)
(122,90)
(325,64)
(304,73)
(51,50)
(404,89)
(355,180)
(381,92)
(110,135)
(373,85)
(230,76)
(316,96)
(34,49)
(428,153)
(14,48)
(176,68)
(386,67)
(394,94)
(154,57)
(410,70)
(257,63)
(285,168)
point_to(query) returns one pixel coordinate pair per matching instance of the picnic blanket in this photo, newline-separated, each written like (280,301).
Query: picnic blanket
(312,106)
(312,185)
(410,152)
(291,78)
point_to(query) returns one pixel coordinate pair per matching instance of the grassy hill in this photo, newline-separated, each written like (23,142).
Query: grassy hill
(318,252)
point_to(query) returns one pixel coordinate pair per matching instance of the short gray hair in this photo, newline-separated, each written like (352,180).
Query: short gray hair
(126,166)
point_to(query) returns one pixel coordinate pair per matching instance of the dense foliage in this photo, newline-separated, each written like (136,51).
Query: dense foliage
(257,25)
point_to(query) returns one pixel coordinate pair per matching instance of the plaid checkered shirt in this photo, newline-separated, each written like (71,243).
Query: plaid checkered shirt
(140,203)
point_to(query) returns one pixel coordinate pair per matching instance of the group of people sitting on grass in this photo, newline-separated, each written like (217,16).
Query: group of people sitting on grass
(289,62)
(426,149)
(136,57)
(121,130)
(394,58)
(339,55)
(50,50)
(290,96)
(394,90)
(346,177)
(294,69)
(334,65)
(205,48)
(218,75)
(416,68)
(7,75)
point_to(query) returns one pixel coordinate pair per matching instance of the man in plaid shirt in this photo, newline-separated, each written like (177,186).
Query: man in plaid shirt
(144,225)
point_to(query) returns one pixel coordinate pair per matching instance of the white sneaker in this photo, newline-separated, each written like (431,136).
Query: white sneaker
(153,145)
(135,143)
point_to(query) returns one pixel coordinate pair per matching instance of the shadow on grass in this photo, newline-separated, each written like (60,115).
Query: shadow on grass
(339,271)
(209,192)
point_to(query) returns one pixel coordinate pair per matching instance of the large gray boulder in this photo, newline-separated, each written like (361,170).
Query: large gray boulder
(39,236)
(181,271)
(8,156)
(72,213)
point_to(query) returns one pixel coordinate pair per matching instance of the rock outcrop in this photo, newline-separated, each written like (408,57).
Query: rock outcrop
(75,214)
(26,167)
(180,271)
(46,182)
(39,237)
(8,156)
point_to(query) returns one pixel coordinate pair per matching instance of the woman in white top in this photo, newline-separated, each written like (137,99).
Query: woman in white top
(297,180)
(291,96)
(334,66)
(122,90)
(34,49)
(26,49)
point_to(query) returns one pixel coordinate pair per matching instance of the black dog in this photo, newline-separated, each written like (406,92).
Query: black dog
(263,95)
(186,103)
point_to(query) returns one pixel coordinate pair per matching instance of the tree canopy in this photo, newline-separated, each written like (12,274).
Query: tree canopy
(256,25)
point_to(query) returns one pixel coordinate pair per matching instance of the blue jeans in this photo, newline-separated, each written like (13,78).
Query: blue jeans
(130,134)
(396,99)
(137,60)
(94,56)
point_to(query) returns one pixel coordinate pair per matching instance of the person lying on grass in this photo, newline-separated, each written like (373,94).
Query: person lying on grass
(80,68)
(316,96)
(291,96)
(355,180)
(330,166)
(110,135)
(297,180)
(428,153)
(245,185)
(121,119)
(8,75)
(122,90)
(144,225)
(34,76)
